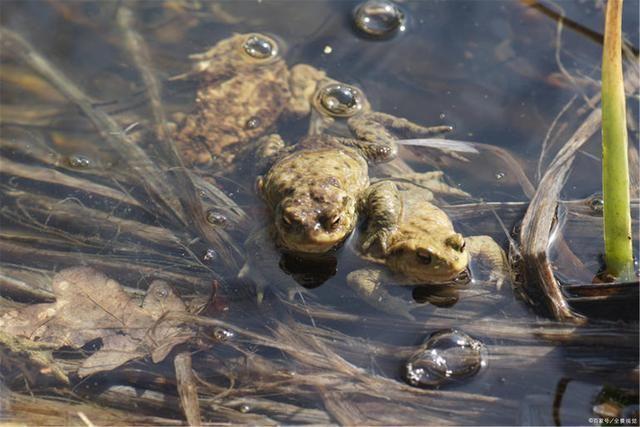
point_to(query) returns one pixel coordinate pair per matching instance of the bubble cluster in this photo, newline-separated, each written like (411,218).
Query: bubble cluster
(78,161)
(340,100)
(222,334)
(379,18)
(447,356)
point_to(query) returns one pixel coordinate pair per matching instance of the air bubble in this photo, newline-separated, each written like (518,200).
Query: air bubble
(252,123)
(596,203)
(216,218)
(447,356)
(210,255)
(499,175)
(340,100)
(162,292)
(260,47)
(222,334)
(379,18)
(245,408)
(79,161)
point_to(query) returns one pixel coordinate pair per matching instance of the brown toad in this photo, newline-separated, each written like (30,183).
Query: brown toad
(420,246)
(316,189)
(244,87)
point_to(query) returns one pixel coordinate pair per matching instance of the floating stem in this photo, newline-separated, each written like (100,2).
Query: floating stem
(615,164)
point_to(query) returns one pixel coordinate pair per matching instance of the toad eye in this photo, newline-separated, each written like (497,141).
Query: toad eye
(424,257)
(456,242)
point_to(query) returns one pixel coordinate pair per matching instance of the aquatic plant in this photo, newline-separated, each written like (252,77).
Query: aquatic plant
(615,164)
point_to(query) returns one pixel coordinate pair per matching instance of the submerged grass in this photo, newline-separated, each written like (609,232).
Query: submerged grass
(615,164)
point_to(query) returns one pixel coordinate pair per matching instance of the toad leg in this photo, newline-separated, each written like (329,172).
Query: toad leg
(432,181)
(269,149)
(374,137)
(383,207)
(486,252)
(303,82)
(368,283)
(262,266)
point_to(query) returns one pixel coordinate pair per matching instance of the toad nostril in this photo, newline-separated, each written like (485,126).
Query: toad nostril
(332,222)
(424,257)
(288,218)
(330,219)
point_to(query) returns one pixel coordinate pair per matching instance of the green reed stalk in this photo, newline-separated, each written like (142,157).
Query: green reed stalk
(615,164)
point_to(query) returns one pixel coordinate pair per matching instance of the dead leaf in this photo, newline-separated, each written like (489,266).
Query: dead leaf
(90,305)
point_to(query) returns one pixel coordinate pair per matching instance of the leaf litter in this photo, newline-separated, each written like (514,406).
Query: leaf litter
(89,306)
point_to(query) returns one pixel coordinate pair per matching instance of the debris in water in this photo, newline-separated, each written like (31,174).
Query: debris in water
(90,305)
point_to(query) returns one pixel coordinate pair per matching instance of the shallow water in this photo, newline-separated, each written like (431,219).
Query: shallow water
(490,69)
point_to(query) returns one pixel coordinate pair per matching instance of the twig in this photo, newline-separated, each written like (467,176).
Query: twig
(579,28)
(187,389)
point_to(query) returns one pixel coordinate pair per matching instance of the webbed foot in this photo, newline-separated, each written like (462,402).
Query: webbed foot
(383,208)
(262,267)
(396,124)
(303,82)
(380,237)
(367,283)
(375,139)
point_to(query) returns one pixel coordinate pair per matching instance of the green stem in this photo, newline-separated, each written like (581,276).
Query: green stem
(615,164)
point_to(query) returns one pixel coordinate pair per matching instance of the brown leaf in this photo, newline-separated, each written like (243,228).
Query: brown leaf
(89,305)
(116,350)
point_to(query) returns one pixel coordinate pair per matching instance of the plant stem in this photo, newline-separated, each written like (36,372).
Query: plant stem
(615,164)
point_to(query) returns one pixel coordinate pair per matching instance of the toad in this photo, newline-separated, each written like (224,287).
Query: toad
(316,189)
(244,87)
(419,246)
